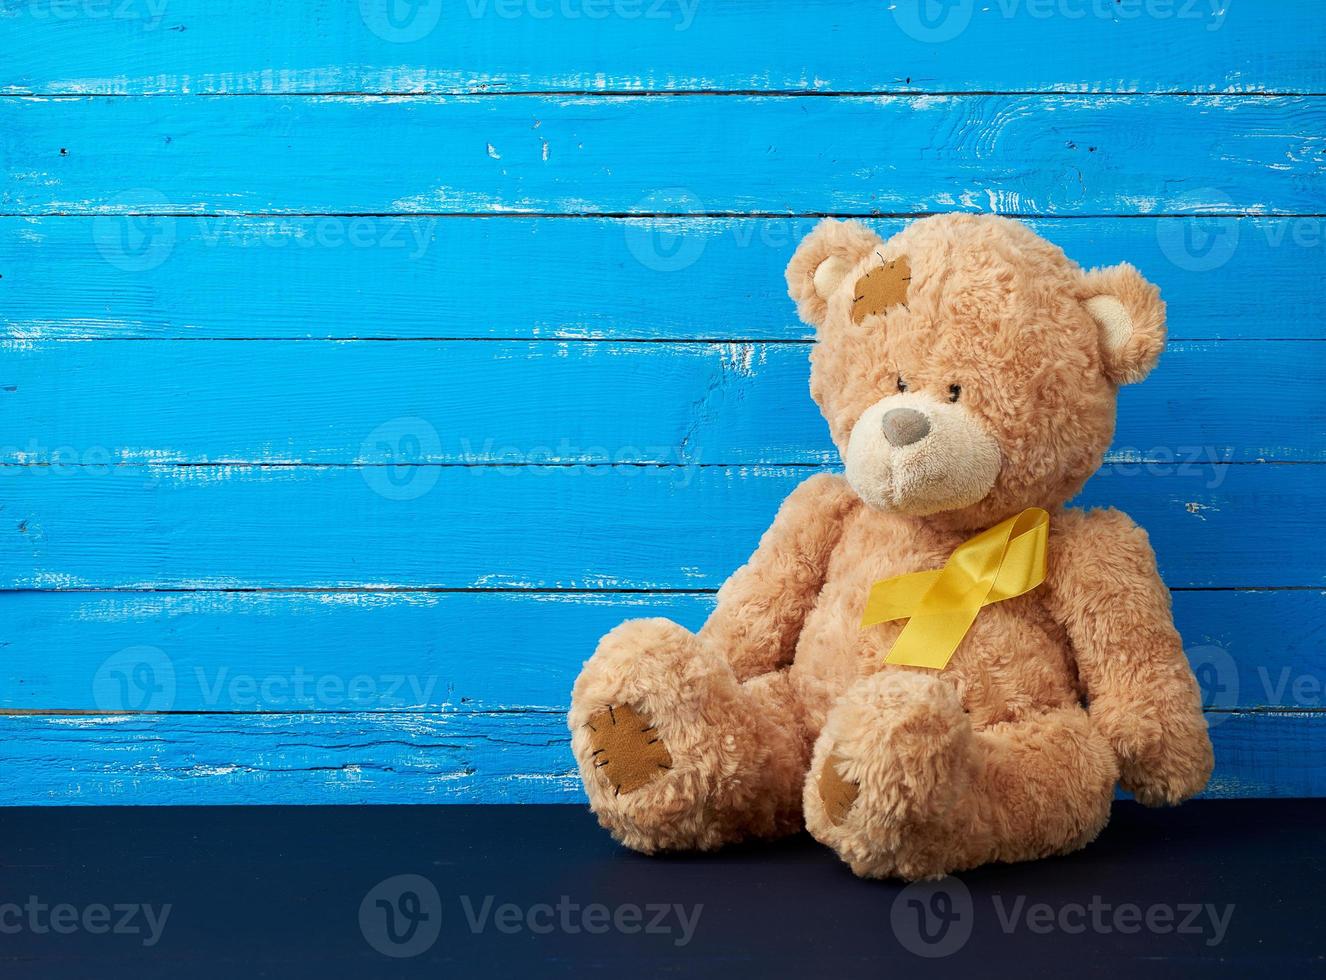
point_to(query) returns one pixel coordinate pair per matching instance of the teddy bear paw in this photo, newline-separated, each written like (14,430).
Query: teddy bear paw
(626,748)
(669,745)
(1175,778)
(837,793)
(886,769)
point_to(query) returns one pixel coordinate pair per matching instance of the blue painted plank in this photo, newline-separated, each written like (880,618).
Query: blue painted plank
(427,402)
(436,758)
(278,758)
(1034,155)
(1270,754)
(480,651)
(299,651)
(647,278)
(563,402)
(663,45)
(645,527)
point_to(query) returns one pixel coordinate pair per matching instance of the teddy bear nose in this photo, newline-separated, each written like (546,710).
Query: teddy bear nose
(904,426)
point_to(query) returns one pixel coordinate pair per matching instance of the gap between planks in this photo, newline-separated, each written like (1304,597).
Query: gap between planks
(1268,711)
(604,340)
(669,215)
(452,465)
(481,93)
(496,590)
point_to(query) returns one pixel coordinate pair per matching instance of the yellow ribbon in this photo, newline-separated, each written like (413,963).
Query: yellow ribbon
(940,605)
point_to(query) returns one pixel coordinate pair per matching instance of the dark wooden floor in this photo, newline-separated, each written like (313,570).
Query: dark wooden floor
(1214,888)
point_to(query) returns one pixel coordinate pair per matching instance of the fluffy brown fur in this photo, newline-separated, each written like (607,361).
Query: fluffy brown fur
(1011,752)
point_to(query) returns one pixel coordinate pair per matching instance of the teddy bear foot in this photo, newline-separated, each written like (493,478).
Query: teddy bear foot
(674,752)
(887,767)
(902,786)
(627,748)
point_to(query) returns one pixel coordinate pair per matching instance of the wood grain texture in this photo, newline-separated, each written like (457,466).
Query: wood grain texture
(538,527)
(1031,155)
(392,758)
(503,231)
(137,46)
(646,278)
(1274,754)
(290,758)
(480,651)
(563,402)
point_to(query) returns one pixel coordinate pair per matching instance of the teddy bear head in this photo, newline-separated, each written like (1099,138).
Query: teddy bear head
(966,367)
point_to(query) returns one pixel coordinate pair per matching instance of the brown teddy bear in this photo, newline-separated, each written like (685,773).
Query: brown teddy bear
(968,371)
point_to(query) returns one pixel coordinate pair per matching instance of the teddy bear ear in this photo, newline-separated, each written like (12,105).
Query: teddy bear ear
(822,262)
(1130,320)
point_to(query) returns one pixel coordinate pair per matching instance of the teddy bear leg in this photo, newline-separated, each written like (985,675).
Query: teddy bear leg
(676,753)
(901,785)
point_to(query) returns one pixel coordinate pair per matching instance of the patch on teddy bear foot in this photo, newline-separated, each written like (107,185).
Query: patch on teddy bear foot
(627,749)
(837,793)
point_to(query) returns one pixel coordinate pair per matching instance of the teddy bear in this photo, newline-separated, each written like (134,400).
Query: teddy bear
(968,372)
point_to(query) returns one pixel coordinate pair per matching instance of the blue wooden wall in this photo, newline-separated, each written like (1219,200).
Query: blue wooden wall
(365,361)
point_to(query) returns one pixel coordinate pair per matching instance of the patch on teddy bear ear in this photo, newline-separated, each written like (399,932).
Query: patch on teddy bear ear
(882,288)
(1130,321)
(822,263)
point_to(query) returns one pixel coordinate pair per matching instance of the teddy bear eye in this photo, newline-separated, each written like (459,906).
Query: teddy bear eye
(954,392)
(902,385)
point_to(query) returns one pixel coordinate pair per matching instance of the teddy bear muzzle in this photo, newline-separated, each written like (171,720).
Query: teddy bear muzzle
(912,454)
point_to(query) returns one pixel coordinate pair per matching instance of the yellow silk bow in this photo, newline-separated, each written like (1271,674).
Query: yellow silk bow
(940,605)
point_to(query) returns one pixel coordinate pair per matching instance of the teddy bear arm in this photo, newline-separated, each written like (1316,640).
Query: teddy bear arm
(1107,593)
(763,606)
